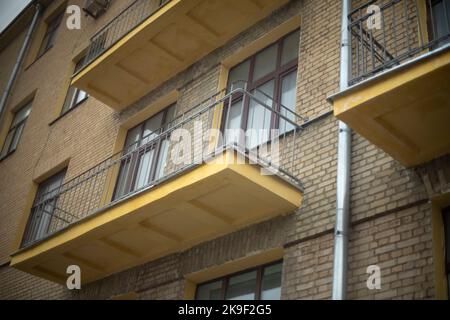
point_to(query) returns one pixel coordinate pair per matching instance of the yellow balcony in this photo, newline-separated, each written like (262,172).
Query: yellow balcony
(148,44)
(90,221)
(404,112)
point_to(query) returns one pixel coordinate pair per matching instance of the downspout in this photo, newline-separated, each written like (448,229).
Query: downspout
(343,173)
(19,60)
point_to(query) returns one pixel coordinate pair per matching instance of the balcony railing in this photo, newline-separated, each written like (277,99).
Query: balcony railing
(397,32)
(128,173)
(120,26)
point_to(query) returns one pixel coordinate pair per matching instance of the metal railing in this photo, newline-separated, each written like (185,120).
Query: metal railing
(396,32)
(150,161)
(120,26)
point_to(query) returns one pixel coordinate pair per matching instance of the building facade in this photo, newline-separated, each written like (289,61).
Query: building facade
(95,170)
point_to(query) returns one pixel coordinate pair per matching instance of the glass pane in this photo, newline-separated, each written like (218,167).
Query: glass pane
(122,179)
(290,48)
(80,97)
(7,144)
(239,73)
(259,117)
(210,291)
(233,123)
(242,287)
(134,135)
(271,283)
(288,101)
(17,136)
(265,62)
(21,115)
(144,169)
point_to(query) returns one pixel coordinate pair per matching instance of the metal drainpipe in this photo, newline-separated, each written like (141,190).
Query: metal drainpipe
(343,173)
(19,60)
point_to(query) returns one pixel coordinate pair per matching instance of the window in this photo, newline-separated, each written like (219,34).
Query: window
(74,96)
(45,208)
(50,34)
(16,130)
(270,75)
(261,283)
(447,246)
(144,156)
(439,17)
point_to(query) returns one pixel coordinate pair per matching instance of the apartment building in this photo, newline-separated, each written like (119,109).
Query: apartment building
(188,149)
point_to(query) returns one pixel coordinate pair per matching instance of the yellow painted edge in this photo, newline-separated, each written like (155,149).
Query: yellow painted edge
(422,29)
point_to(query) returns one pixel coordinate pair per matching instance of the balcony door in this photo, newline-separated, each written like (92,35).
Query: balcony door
(270,76)
(145,154)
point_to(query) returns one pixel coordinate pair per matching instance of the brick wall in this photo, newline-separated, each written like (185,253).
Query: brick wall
(390,217)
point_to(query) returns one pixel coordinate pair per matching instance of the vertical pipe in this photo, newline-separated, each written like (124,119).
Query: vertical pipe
(343,173)
(19,60)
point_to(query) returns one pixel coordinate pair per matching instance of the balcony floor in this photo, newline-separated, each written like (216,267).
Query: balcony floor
(206,202)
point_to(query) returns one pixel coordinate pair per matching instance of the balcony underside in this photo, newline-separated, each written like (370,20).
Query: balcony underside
(208,201)
(176,36)
(405,112)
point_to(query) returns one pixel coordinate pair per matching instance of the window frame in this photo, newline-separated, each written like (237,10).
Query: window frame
(74,95)
(432,24)
(52,27)
(281,71)
(446,220)
(40,224)
(134,157)
(225,280)
(14,128)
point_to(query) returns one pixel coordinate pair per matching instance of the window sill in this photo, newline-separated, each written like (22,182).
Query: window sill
(62,115)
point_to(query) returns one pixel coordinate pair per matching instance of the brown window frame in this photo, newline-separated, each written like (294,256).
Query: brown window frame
(225,280)
(133,158)
(15,128)
(277,75)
